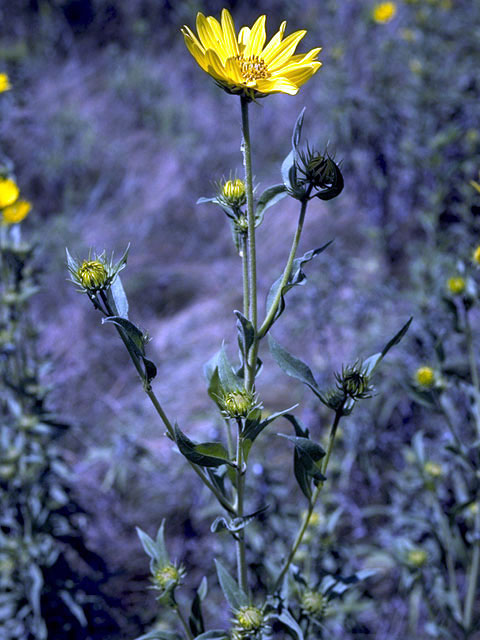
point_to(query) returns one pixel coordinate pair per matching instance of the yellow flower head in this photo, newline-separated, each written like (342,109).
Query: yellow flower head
(16,212)
(4,83)
(92,274)
(456,285)
(425,376)
(313,603)
(233,192)
(249,618)
(476,255)
(384,12)
(242,64)
(9,192)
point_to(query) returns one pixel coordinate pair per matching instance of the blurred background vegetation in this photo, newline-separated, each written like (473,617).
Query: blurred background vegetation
(114,133)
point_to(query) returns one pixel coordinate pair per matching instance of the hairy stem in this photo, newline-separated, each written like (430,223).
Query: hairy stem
(286,273)
(240,540)
(313,501)
(252,256)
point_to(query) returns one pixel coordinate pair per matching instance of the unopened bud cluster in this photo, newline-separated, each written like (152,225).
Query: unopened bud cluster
(95,273)
(319,174)
(233,192)
(239,403)
(92,275)
(314,603)
(354,382)
(248,622)
(168,577)
(417,558)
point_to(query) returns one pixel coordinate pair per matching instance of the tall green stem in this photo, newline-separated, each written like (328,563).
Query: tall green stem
(240,540)
(252,256)
(473,576)
(286,274)
(185,626)
(311,506)
(473,371)
(158,407)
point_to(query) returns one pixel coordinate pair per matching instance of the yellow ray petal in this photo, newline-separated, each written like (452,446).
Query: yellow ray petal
(207,35)
(216,29)
(300,75)
(275,41)
(188,33)
(257,38)
(243,37)
(215,67)
(277,85)
(303,58)
(197,52)
(286,49)
(233,72)
(228,29)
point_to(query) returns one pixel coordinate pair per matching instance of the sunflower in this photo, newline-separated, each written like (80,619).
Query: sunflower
(242,64)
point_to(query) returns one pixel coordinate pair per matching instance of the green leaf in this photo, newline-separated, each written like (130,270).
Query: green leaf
(155,549)
(116,295)
(371,363)
(195,620)
(246,333)
(307,457)
(234,594)
(269,197)
(288,170)
(228,380)
(297,129)
(135,336)
(286,618)
(293,366)
(161,635)
(71,263)
(296,278)
(214,634)
(253,429)
(150,369)
(207,454)
(73,607)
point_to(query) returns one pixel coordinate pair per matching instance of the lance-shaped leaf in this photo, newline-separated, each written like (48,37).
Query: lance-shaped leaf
(155,549)
(135,336)
(307,465)
(297,277)
(161,634)
(293,366)
(371,363)
(229,381)
(195,620)
(253,429)
(223,205)
(117,298)
(269,197)
(234,594)
(206,454)
(213,634)
(287,620)
(246,333)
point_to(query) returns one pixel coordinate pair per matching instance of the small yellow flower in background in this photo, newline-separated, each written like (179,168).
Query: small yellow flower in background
(475,184)
(4,83)
(425,376)
(313,603)
(417,558)
(456,285)
(408,35)
(16,212)
(9,192)
(476,255)
(415,66)
(242,64)
(92,274)
(433,469)
(384,12)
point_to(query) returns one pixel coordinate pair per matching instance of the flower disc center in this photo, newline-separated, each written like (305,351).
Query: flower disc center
(252,68)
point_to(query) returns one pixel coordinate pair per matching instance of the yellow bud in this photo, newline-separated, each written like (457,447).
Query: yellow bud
(92,274)
(233,192)
(417,558)
(249,618)
(384,12)
(238,404)
(167,576)
(16,212)
(313,603)
(476,255)
(9,192)
(456,285)
(433,469)
(425,376)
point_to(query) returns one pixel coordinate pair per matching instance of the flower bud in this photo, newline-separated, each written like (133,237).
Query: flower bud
(425,377)
(314,603)
(354,382)
(416,558)
(238,404)
(319,174)
(433,469)
(4,83)
(456,285)
(249,619)
(233,192)
(16,212)
(92,275)
(168,577)
(476,256)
